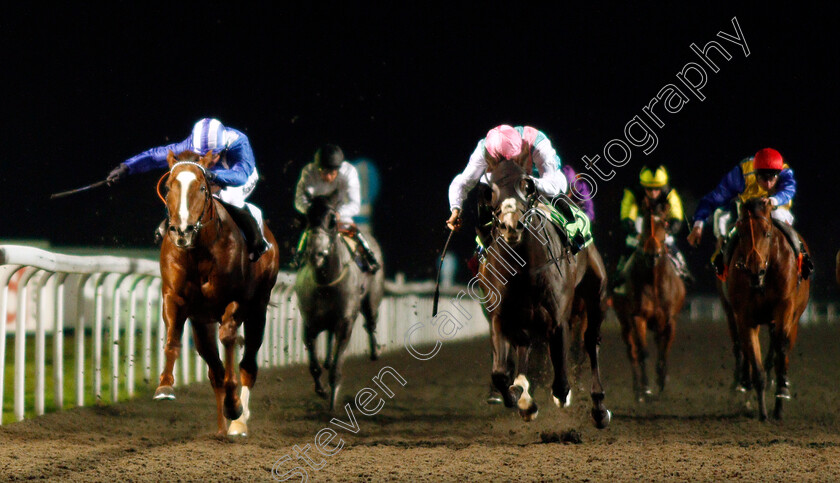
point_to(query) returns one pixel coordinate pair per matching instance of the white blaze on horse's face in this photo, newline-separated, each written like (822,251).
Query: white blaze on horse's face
(185,178)
(510,226)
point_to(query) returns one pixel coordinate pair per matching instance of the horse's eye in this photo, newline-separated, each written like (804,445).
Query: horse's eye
(203,189)
(768,234)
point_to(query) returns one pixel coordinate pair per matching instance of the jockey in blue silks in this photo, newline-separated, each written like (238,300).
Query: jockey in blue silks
(234,171)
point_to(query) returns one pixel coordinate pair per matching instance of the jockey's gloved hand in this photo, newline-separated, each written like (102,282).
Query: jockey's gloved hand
(629,227)
(117,174)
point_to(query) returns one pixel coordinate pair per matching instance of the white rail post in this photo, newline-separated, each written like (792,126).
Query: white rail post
(58,342)
(98,315)
(40,343)
(79,339)
(130,356)
(151,314)
(20,341)
(116,303)
(5,276)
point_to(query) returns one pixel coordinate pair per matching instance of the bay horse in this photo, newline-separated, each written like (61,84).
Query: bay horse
(332,290)
(654,296)
(531,280)
(764,287)
(208,278)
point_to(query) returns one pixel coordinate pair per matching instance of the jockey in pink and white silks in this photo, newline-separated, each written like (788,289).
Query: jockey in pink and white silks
(329,173)
(528,147)
(234,172)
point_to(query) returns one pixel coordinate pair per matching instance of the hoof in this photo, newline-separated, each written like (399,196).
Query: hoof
(783,393)
(234,412)
(494,398)
(740,388)
(529,414)
(374,355)
(321,392)
(237,429)
(563,404)
(164,393)
(601,419)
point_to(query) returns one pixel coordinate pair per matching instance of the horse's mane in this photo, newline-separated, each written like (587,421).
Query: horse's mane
(755,207)
(506,169)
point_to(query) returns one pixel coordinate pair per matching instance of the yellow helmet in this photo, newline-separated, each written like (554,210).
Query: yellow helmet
(650,179)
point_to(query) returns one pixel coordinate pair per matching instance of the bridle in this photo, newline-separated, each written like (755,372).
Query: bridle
(763,263)
(207,210)
(333,234)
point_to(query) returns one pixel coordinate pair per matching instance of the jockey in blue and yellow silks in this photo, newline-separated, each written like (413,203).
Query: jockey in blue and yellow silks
(653,185)
(764,175)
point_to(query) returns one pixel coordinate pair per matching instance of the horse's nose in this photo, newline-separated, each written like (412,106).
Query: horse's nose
(181,241)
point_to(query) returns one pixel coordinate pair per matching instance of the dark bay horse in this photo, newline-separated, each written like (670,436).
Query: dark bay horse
(208,278)
(655,295)
(764,287)
(531,281)
(332,291)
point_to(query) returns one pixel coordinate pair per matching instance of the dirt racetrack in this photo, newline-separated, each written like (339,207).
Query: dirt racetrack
(438,427)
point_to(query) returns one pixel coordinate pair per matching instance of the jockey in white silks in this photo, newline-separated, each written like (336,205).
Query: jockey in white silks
(234,172)
(329,173)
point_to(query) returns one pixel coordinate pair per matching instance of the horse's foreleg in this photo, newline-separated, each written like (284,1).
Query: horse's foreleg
(248,367)
(664,340)
(752,351)
(520,388)
(640,332)
(594,317)
(500,371)
(558,346)
(174,316)
(309,336)
(330,345)
(205,344)
(342,337)
(227,334)
(784,325)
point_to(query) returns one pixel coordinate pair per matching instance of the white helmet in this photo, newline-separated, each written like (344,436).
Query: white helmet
(208,135)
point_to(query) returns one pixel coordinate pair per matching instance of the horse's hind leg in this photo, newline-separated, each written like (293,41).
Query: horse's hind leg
(248,366)
(205,344)
(640,332)
(371,315)
(175,318)
(227,334)
(342,337)
(309,336)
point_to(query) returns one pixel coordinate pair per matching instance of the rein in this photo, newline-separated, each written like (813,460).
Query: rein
(341,276)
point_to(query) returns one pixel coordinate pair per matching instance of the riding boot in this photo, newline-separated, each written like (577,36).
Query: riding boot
(300,251)
(257,244)
(679,262)
(367,255)
(160,231)
(807,265)
(721,258)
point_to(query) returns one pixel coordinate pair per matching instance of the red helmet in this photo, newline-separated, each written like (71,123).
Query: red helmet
(768,158)
(503,142)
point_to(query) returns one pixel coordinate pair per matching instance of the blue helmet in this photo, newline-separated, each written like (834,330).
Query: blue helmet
(208,135)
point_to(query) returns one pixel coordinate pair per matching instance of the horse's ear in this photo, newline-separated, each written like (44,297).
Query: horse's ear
(170,158)
(208,160)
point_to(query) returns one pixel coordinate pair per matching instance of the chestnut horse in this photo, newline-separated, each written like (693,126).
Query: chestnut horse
(764,287)
(531,281)
(655,295)
(208,278)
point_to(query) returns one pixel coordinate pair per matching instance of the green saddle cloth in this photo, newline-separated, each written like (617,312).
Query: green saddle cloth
(575,224)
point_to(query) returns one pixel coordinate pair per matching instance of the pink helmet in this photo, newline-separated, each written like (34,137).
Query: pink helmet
(503,142)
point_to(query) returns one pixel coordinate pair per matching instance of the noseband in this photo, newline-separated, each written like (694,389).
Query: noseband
(208,203)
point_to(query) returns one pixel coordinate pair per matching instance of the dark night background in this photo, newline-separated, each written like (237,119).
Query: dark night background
(413,90)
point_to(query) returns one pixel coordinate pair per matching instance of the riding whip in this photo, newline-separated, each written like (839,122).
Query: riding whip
(437,280)
(78,190)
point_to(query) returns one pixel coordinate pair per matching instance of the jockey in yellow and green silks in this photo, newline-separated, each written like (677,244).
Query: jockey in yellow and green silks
(764,175)
(653,185)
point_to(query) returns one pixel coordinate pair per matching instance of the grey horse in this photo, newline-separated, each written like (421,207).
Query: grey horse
(332,290)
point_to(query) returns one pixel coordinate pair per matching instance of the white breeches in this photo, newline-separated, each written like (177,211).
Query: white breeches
(236,195)
(723,220)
